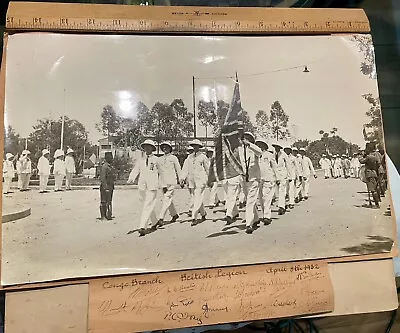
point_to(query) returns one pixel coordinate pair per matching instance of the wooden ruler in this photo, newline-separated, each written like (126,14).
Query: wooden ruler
(37,16)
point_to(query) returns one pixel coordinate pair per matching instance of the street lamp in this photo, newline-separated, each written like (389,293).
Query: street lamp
(306,70)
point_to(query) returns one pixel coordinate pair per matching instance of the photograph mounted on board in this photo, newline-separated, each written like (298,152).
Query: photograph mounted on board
(132,154)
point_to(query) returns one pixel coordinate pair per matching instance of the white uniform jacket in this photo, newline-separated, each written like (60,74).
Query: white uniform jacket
(195,169)
(148,170)
(43,166)
(292,168)
(8,169)
(282,166)
(250,160)
(308,168)
(70,164)
(25,165)
(59,167)
(268,167)
(170,169)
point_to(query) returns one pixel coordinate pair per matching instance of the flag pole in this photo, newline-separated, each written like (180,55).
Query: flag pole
(62,124)
(194,106)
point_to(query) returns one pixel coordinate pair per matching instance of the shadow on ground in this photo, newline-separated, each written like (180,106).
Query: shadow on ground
(376,244)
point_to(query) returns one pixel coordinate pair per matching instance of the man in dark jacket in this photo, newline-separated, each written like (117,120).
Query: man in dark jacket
(107,179)
(372,163)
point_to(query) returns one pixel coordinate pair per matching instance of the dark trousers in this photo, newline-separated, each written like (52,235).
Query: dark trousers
(106,202)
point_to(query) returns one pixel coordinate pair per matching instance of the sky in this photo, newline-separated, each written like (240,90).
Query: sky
(48,75)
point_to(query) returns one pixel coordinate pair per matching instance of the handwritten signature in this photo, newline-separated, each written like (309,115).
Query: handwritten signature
(180,316)
(206,310)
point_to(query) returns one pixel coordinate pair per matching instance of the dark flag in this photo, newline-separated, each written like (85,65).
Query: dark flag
(225,163)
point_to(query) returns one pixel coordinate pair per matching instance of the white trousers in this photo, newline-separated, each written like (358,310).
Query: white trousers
(43,180)
(298,187)
(232,192)
(168,203)
(191,198)
(282,193)
(148,217)
(242,191)
(68,180)
(356,170)
(25,177)
(336,172)
(198,205)
(19,181)
(327,173)
(253,187)
(267,190)
(214,194)
(7,184)
(58,181)
(291,191)
(306,186)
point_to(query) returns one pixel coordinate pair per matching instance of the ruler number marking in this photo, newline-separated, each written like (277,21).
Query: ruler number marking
(116,22)
(37,20)
(10,20)
(63,21)
(90,21)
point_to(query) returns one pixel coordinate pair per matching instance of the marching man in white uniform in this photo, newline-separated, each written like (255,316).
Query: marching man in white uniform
(337,166)
(59,170)
(268,180)
(148,171)
(325,164)
(298,184)
(249,155)
(70,168)
(292,175)
(355,165)
(188,179)
(308,170)
(8,172)
(25,169)
(199,166)
(44,170)
(170,171)
(282,174)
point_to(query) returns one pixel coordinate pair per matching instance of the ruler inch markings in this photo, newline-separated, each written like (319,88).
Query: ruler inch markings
(73,17)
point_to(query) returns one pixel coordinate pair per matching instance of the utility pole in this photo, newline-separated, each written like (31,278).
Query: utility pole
(62,123)
(194,107)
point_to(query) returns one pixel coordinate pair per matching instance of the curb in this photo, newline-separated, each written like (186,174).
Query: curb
(16,215)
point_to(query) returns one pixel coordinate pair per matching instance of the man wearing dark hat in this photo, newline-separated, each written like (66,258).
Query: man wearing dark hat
(371,162)
(170,170)
(107,179)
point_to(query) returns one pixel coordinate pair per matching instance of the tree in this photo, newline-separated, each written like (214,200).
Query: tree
(206,114)
(110,122)
(263,127)
(279,122)
(375,124)
(167,121)
(12,141)
(365,46)
(183,124)
(47,134)
(301,143)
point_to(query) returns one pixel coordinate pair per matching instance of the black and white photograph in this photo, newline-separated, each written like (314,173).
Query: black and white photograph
(133,154)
